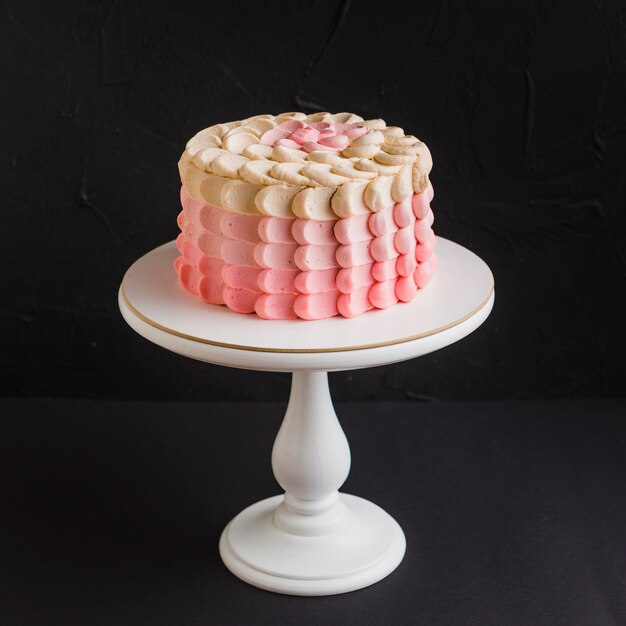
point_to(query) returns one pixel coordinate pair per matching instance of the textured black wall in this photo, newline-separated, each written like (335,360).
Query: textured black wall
(522,104)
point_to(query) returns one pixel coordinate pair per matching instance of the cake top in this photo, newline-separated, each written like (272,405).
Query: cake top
(320,166)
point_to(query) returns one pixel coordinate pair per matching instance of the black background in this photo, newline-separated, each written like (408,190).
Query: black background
(514,512)
(523,106)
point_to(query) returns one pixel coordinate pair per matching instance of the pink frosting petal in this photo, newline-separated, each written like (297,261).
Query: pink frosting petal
(276,306)
(318,232)
(352,229)
(276,229)
(355,303)
(338,142)
(406,264)
(317,306)
(282,131)
(211,244)
(383,248)
(288,143)
(323,127)
(404,240)
(423,231)
(277,280)
(430,192)
(275,255)
(212,268)
(424,251)
(354,254)
(382,223)
(421,204)
(405,289)
(384,270)
(350,279)
(302,135)
(240,300)
(238,252)
(314,281)
(423,273)
(314,257)
(383,295)
(403,213)
(241,276)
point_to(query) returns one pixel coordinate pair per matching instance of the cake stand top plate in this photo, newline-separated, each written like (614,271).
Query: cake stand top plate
(457,300)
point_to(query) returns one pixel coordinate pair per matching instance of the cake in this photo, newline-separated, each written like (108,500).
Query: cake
(305,216)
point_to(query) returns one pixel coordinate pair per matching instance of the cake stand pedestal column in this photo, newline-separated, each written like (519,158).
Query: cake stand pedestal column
(312,540)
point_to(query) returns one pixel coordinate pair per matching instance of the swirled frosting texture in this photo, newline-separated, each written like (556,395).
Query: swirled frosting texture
(313,167)
(288,267)
(305,216)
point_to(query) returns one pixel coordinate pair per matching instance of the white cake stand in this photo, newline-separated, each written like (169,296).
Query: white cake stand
(312,540)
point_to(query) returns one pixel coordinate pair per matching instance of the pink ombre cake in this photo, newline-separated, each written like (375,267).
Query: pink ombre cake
(305,216)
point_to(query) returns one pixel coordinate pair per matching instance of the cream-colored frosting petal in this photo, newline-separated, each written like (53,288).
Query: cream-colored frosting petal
(183,164)
(211,189)
(293,115)
(375,124)
(425,154)
(346,118)
(228,165)
(261,125)
(402,184)
(421,169)
(321,156)
(349,200)
(237,196)
(191,176)
(258,151)
(392,131)
(261,116)
(205,187)
(378,193)
(216,129)
(232,124)
(372,137)
(288,155)
(290,173)
(374,166)
(394,159)
(202,140)
(204,159)
(242,129)
(258,171)
(320,173)
(276,200)
(401,140)
(322,116)
(349,171)
(366,151)
(239,141)
(401,149)
(314,204)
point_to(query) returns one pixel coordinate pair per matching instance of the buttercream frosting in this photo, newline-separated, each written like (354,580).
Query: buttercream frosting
(359,165)
(305,216)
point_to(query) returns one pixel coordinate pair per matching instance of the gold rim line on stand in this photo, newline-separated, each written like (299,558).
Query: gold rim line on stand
(232,346)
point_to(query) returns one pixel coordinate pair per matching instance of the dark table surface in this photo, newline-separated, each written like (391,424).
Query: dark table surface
(514,512)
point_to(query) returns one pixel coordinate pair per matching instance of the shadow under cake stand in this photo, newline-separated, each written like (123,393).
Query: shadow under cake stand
(313,540)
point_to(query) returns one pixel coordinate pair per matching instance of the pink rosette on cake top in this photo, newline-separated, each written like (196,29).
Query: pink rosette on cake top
(305,216)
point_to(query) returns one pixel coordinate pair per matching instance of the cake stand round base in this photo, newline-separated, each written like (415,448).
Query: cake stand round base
(367,548)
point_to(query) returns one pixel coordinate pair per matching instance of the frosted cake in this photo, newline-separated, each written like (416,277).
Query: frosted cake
(305,216)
